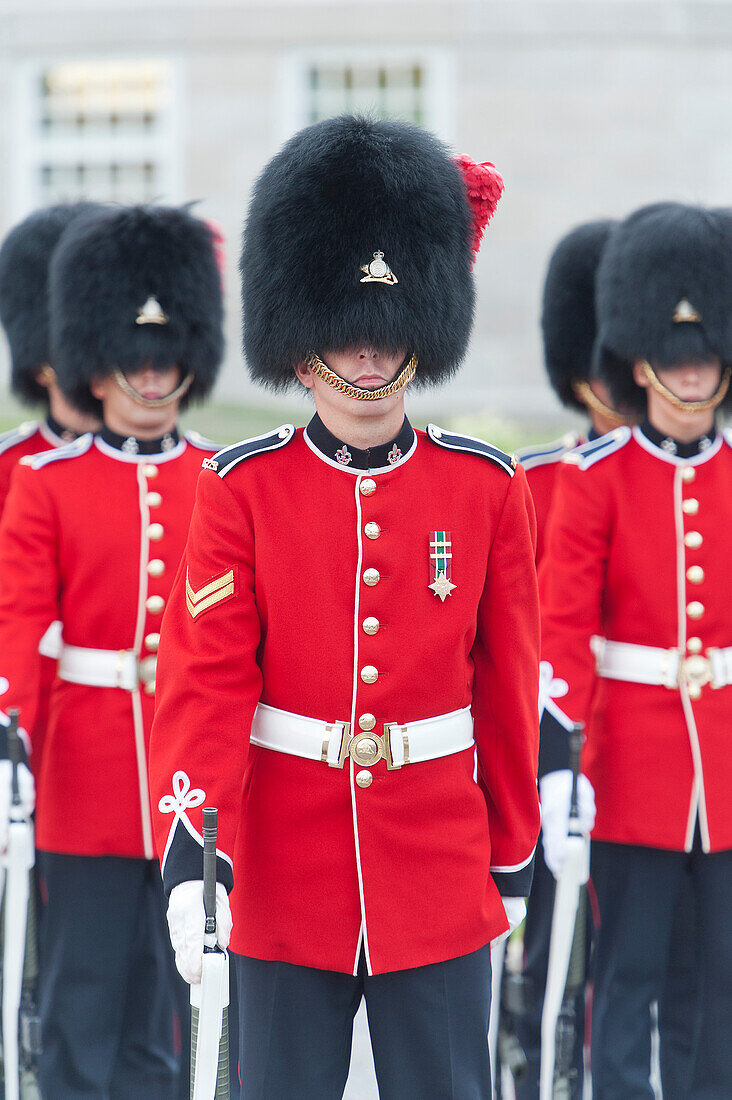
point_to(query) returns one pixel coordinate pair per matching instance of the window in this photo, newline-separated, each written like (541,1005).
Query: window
(103,130)
(411,85)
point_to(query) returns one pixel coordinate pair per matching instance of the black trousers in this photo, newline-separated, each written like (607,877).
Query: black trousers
(638,890)
(106,994)
(677,1004)
(429,1029)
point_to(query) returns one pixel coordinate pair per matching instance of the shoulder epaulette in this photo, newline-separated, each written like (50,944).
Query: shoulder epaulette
(17,435)
(69,450)
(200,441)
(590,453)
(225,461)
(468,444)
(544,455)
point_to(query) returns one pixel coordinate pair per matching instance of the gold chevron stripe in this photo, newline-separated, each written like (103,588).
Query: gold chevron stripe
(210,594)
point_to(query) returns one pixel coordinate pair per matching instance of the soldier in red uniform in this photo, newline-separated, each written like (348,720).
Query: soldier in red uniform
(24,258)
(636,634)
(355,617)
(569,331)
(92,534)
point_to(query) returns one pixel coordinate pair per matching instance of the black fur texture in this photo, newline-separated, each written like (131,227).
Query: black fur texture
(336,193)
(568,321)
(656,257)
(24,259)
(103,272)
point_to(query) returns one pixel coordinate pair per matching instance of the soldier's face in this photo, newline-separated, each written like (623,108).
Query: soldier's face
(693,380)
(367,368)
(127,416)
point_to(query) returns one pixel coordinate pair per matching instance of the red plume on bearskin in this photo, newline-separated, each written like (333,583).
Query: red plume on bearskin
(484,184)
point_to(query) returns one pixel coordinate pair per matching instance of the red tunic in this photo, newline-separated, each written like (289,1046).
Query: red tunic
(321,866)
(30,438)
(91,536)
(541,464)
(638,551)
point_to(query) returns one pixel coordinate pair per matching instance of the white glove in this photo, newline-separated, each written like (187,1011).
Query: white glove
(186,919)
(555,791)
(515,912)
(26,790)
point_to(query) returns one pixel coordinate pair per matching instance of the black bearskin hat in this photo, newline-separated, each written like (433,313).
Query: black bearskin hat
(568,308)
(134,285)
(664,293)
(24,259)
(342,195)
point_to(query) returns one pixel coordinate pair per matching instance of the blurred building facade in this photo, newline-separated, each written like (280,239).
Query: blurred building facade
(588,107)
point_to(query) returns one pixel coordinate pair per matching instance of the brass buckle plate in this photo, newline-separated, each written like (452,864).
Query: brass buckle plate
(389,729)
(366,749)
(331,727)
(696,670)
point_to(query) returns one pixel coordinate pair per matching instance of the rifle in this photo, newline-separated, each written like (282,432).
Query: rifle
(566,970)
(20,1023)
(210,999)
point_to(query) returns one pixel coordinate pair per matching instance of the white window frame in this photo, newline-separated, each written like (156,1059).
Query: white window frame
(30,151)
(439,89)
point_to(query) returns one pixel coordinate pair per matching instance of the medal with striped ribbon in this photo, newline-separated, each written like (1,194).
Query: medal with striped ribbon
(441,564)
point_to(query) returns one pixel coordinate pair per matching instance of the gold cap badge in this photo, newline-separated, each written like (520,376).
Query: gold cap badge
(378,271)
(685,313)
(151,313)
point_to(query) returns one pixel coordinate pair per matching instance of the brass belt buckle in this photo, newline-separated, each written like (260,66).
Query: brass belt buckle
(389,729)
(697,672)
(366,749)
(331,727)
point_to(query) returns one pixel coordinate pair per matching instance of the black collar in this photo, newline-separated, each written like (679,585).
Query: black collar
(133,446)
(674,446)
(65,434)
(374,458)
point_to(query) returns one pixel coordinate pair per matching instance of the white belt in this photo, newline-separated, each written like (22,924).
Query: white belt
(332,742)
(115,668)
(51,642)
(646,664)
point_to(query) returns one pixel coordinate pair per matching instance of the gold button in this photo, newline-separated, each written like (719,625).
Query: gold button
(369,674)
(366,722)
(367,486)
(371,577)
(155,532)
(155,604)
(364,779)
(436,433)
(694,645)
(693,540)
(149,689)
(688,474)
(283,433)
(156,567)
(147,669)
(149,470)
(690,507)
(372,530)
(695,574)
(152,641)
(370,625)
(153,500)
(694,691)
(695,610)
